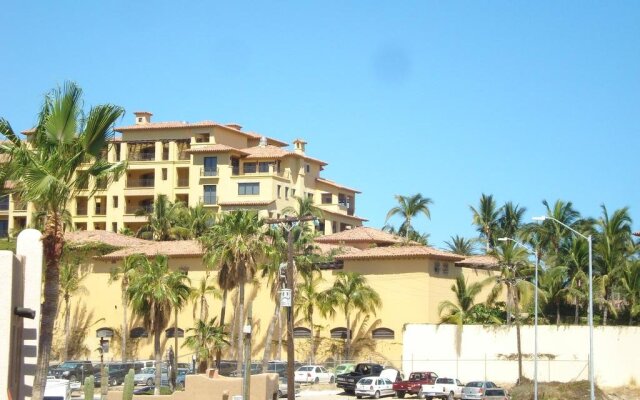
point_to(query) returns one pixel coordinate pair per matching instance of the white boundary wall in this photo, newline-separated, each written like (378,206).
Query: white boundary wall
(486,353)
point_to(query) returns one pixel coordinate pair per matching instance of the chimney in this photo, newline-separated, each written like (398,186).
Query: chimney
(235,126)
(263,141)
(142,117)
(298,146)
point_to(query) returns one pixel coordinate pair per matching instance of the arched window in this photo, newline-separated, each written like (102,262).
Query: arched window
(301,332)
(339,333)
(169,332)
(138,332)
(104,332)
(383,333)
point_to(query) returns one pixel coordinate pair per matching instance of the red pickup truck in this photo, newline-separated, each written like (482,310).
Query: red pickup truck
(414,384)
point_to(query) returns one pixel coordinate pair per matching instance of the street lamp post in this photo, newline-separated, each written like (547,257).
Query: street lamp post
(590,241)
(535,318)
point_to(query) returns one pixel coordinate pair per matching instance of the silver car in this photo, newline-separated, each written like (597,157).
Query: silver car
(475,390)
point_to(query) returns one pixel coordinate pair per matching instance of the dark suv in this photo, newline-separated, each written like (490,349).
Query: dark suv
(73,370)
(117,372)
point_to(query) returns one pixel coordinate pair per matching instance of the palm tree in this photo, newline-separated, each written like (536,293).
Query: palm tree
(462,246)
(486,219)
(351,293)
(514,268)
(613,245)
(574,256)
(200,219)
(460,313)
(199,296)
(153,291)
(70,284)
(554,283)
(123,273)
(162,221)
(238,243)
(308,299)
(208,337)
(630,284)
(409,207)
(305,207)
(510,220)
(63,152)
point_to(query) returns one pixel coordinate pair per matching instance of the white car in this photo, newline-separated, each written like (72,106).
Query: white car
(377,386)
(313,374)
(443,388)
(148,375)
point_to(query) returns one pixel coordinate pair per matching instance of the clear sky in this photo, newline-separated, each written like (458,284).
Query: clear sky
(523,100)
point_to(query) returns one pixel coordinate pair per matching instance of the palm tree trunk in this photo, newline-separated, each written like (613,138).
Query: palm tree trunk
(576,318)
(67,327)
(557,313)
(313,339)
(174,367)
(124,324)
(202,315)
(606,309)
(348,342)
(517,315)
(269,338)
(234,326)
(223,310)
(240,324)
(53,242)
(157,353)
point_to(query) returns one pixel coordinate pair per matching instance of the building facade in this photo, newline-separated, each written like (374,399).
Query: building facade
(218,165)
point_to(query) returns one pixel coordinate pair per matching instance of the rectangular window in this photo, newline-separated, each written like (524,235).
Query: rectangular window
(445,268)
(202,138)
(436,267)
(165,151)
(293,193)
(235,166)
(117,150)
(252,188)
(210,166)
(264,166)
(209,195)
(279,190)
(308,168)
(286,193)
(249,168)
(115,201)
(114,227)
(327,198)
(164,174)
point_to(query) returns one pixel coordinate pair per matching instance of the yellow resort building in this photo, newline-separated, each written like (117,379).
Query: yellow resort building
(225,167)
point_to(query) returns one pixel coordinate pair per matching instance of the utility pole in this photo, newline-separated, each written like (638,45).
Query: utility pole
(288,223)
(246,378)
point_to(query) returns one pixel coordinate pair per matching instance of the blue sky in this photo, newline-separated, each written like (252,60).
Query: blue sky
(523,100)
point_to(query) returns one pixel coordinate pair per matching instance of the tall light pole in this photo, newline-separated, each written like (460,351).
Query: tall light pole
(590,241)
(535,318)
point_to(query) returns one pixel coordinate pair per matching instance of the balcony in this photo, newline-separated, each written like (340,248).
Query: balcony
(135,209)
(81,210)
(212,172)
(101,211)
(209,200)
(141,182)
(183,182)
(142,156)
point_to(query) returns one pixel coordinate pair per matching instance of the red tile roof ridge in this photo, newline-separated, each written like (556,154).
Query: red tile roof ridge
(360,234)
(176,248)
(107,237)
(335,184)
(401,251)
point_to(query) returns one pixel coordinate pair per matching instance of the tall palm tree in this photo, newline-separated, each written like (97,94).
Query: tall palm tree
(613,245)
(208,337)
(408,208)
(574,255)
(510,219)
(70,284)
(199,296)
(63,153)
(350,293)
(459,313)
(238,243)
(123,273)
(200,219)
(304,207)
(460,245)
(630,285)
(486,219)
(554,282)
(309,298)
(514,268)
(153,291)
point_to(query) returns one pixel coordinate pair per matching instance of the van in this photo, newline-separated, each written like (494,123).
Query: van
(57,389)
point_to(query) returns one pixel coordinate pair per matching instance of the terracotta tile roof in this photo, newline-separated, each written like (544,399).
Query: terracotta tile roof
(106,237)
(246,203)
(394,252)
(478,261)
(337,185)
(215,148)
(353,217)
(178,248)
(185,125)
(360,234)
(327,248)
(270,151)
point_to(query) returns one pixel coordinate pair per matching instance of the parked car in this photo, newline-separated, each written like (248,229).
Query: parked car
(344,369)
(348,381)
(57,389)
(117,373)
(414,384)
(227,367)
(73,370)
(313,374)
(475,390)
(496,394)
(277,367)
(443,388)
(377,386)
(148,375)
(256,368)
(164,381)
(283,389)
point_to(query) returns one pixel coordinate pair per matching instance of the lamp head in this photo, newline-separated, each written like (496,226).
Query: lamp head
(503,239)
(542,218)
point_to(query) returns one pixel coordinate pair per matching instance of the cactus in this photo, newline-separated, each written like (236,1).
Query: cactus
(88,388)
(127,391)
(104,383)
